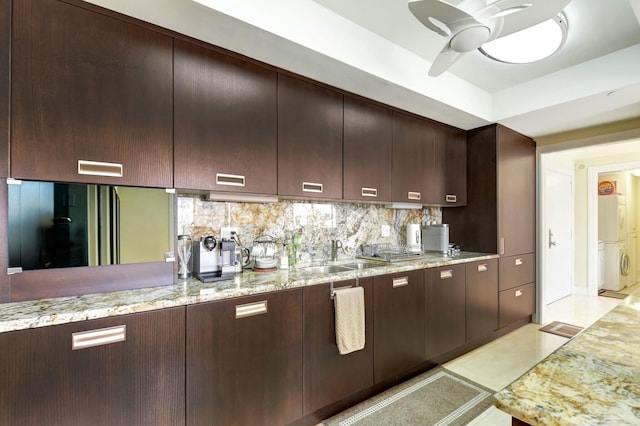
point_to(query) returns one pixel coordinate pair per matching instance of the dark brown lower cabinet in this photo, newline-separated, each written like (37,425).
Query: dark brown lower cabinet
(244,360)
(444,309)
(138,381)
(329,376)
(517,303)
(398,311)
(482,298)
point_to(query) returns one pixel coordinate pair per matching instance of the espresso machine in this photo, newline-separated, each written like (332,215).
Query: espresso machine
(214,260)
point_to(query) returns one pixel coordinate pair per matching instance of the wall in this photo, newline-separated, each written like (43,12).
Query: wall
(351,223)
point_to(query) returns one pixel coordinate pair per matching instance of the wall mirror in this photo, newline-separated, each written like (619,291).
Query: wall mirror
(59,225)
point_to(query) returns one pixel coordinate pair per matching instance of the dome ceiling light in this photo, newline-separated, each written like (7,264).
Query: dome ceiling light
(529,45)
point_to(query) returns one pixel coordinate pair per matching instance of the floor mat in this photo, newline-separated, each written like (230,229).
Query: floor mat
(614,294)
(437,397)
(561,329)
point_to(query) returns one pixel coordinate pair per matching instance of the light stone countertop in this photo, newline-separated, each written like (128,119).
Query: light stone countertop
(593,379)
(62,310)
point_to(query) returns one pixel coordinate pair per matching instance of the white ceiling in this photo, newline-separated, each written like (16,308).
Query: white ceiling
(376,48)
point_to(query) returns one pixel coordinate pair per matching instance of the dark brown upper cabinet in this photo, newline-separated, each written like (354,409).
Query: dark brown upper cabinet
(413,150)
(309,139)
(5,42)
(368,133)
(91,97)
(449,177)
(225,122)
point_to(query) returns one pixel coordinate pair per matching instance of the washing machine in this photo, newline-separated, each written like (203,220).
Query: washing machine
(616,266)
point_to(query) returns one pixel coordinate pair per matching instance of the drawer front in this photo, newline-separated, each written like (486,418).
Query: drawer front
(517,270)
(516,303)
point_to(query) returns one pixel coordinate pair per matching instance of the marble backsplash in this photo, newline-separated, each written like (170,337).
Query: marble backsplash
(353,224)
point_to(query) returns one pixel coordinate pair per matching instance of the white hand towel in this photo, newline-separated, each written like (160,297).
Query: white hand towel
(350,331)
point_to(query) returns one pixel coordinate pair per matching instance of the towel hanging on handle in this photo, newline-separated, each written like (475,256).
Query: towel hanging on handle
(350,327)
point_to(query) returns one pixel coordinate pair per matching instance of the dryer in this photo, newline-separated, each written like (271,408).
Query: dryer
(616,266)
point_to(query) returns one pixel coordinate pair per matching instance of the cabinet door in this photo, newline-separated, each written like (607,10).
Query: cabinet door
(5,41)
(367,151)
(91,98)
(517,303)
(449,177)
(444,309)
(138,381)
(329,376)
(412,164)
(225,122)
(398,310)
(482,298)
(309,139)
(516,193)
(244,360)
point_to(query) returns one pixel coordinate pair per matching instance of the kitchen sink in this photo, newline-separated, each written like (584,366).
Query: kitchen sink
(361,265)
(324,269)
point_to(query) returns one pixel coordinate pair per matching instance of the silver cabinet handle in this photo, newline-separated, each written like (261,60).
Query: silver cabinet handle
(450,198)
(501,249)
(311,187)
(98,168)
(482,268)
(518,293)
(519,261)
(446,274)
(400,282)
(251,309)
(98,337)
(414,195)
(369,192)
(230,180)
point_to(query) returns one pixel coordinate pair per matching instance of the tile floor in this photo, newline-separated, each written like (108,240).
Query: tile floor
(500,362)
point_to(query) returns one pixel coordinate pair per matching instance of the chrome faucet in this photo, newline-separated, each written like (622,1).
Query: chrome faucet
(335,246)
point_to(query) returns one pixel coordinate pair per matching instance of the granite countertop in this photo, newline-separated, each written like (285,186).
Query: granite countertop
(41,313)
(594,379)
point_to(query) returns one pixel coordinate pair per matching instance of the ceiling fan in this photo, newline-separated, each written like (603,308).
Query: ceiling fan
(468,24)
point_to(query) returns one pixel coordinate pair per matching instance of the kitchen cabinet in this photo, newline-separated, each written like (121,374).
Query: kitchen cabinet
(329,376)
(449,178)
(5,86)
(412,164)
(244,360)
(398,341)
(310,120)
(225,122)
(367,151)
(136,380)
(444,309)
(517,303)
(91,97)
(481,299)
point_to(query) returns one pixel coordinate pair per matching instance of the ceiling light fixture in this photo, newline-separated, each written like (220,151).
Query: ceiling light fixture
(529,45)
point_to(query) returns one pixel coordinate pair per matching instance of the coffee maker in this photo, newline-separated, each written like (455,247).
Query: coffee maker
(214,260)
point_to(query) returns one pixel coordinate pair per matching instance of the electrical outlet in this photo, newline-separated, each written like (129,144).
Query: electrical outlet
(225,232)
(386,231)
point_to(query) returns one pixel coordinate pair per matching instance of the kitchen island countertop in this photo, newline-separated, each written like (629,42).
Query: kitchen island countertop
(41,313)
(593,379)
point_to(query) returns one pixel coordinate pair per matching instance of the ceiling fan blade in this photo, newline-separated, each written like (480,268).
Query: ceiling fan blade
(535,12)
(438,15)
(443,61)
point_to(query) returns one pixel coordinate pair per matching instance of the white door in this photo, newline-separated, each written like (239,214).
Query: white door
(557,241)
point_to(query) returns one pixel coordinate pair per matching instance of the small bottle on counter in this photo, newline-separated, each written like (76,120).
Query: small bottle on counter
(284,257)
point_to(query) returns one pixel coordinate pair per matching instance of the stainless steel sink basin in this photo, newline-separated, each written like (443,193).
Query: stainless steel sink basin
(324,269)
(361,265)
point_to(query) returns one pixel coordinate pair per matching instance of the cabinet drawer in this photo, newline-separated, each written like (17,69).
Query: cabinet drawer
(517,303)
(517,270)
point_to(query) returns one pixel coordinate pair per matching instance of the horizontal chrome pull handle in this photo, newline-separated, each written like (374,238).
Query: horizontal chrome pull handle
(446,274)
(519,261)
(311,187)
(414,195)
(519,293)
(369,192)
(482,268)
(98,168)
(251,309)
(400,282)
(450,198)
(230,180)
(99,337)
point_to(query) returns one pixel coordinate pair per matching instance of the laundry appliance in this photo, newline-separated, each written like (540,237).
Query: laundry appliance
(612,231)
